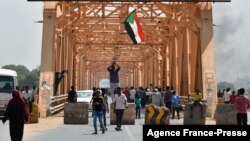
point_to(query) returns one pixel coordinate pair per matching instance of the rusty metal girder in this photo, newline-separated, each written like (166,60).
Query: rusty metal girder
(85,37)
(98,34)
(103,22)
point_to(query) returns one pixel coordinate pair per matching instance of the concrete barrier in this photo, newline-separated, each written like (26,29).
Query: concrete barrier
(196,119)
(225,114)
(155,115)
(76,113)
(128,115)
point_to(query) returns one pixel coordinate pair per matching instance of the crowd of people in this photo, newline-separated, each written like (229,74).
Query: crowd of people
(169,98)
(153,95)
(240,101)
(18,113)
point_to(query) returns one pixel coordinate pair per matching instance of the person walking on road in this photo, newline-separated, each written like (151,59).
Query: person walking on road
(105,108)
(137,106)
(168,98)
(97,111)
(17,114)
(120,102)
(176,105)
(241,105)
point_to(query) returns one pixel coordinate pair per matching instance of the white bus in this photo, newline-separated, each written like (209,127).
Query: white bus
(8,81)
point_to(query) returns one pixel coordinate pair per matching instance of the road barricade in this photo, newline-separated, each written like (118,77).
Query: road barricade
(128,115)
(197,118)
(225,114)
(76,113)
(155,115)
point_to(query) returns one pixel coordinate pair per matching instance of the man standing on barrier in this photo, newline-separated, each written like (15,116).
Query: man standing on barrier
(114,77)
(196,100)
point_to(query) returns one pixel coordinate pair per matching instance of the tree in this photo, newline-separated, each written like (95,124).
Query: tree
(224,85)
(20,69)
(34,77)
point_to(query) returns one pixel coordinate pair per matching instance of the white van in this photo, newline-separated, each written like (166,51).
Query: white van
(8,81)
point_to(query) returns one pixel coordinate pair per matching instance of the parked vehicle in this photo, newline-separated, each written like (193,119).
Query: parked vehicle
(85,96)
(8,81)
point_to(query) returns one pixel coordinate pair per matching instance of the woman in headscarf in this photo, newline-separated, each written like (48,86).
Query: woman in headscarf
(17,114)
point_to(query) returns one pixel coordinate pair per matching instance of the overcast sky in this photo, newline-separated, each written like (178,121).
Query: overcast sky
(20,36)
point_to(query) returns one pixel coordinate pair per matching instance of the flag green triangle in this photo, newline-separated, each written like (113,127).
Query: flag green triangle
(130,18)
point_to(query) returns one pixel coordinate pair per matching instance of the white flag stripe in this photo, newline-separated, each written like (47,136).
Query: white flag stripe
(134,27)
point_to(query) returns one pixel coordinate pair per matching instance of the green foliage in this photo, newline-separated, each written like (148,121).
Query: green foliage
(20,69)
(224,85)
(24,76)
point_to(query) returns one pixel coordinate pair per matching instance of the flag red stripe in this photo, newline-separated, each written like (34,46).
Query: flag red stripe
(139,27)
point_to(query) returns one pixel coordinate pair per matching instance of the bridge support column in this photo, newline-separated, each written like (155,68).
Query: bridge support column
(47,69)
(208,62)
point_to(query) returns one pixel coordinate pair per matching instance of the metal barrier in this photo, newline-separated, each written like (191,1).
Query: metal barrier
(57,103)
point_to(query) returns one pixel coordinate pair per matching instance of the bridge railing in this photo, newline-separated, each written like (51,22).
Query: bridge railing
(57,103)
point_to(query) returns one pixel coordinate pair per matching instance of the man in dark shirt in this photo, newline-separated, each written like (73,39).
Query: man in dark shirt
(97,111)
(114,77)
(72,97)
(168,98)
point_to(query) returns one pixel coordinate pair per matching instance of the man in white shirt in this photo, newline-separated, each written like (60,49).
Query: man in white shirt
(119,106)
(26,95)
(132,93)
(156,97)
(226,96)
